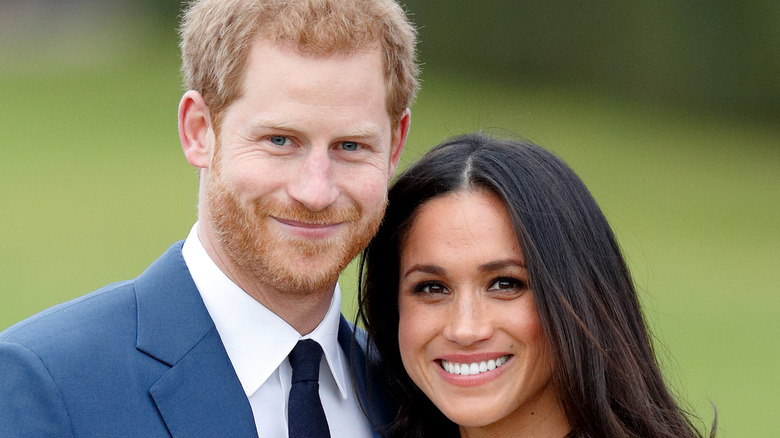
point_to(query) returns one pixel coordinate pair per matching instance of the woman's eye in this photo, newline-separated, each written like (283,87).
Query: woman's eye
(430,288)
(505,283)
(279,140)
(349,146)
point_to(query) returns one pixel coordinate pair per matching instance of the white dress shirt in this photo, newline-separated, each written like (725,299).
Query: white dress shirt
(258,342)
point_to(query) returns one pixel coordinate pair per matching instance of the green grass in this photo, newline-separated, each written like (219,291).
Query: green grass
(94,187)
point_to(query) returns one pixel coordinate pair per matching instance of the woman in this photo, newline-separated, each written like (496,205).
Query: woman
(500,304)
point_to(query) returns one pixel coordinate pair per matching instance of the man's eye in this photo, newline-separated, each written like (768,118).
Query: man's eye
(350,146)
(279,140)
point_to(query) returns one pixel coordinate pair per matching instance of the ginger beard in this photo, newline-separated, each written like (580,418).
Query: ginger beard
(272,258)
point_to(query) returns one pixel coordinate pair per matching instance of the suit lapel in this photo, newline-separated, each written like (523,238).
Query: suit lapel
(373,397)
(200,395)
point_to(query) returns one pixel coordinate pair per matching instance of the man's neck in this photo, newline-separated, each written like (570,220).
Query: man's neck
(303,310)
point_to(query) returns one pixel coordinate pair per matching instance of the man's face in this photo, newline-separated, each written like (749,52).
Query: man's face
(298,180)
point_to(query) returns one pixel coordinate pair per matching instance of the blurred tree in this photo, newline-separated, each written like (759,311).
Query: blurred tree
(716,52)
(165,11)
(719,53)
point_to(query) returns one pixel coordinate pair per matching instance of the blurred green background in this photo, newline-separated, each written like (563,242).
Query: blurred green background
(669,111)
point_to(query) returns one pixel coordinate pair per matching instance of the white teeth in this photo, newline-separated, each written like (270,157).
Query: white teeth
(468,369)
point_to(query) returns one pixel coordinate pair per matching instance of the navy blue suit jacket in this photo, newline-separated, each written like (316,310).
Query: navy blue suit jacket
(140,358)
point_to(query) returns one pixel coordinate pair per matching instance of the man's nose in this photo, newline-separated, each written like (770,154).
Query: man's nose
(314,186)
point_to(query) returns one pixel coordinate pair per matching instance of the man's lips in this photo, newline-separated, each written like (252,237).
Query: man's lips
(294,223)
(309,229)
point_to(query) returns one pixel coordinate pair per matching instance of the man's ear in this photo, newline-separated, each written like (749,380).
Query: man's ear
(195,130)
(401,131)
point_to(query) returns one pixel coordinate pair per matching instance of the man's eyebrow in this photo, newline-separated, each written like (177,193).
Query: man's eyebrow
(263,123)
(357,131)
(362,132)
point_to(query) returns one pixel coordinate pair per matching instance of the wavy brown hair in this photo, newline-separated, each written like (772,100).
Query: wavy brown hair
(606,375)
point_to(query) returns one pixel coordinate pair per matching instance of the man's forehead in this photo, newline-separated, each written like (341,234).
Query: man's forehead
(315,51)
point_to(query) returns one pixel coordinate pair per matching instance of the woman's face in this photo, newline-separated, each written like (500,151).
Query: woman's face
(469,333)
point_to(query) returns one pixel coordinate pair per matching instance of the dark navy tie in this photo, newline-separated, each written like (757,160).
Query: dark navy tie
(305,416)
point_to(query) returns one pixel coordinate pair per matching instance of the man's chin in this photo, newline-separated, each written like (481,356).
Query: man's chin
(302,283)
(300,272)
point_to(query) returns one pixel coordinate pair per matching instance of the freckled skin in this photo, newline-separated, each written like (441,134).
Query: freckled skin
(463,293)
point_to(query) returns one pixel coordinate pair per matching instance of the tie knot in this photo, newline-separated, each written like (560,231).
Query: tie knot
(305,361)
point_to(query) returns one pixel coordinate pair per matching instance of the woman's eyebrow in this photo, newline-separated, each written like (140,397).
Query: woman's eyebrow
(501,264)
(428,269)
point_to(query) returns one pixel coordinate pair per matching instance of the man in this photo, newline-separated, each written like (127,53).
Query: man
(296,118)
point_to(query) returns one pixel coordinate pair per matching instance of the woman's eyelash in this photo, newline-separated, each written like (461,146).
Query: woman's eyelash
(507,283)
(498,284)
(430,287)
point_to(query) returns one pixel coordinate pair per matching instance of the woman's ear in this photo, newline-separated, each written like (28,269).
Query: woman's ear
(195,130)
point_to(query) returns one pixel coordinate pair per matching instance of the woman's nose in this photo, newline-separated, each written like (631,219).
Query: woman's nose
(468,324)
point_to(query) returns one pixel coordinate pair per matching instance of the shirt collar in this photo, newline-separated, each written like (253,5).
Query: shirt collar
(257,340)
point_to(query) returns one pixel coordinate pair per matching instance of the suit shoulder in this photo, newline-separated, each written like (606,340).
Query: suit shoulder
(91,315)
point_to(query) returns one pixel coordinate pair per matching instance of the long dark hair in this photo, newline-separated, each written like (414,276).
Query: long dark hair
(606,375)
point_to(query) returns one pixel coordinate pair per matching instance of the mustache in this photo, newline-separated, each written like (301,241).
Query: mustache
(297,212)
